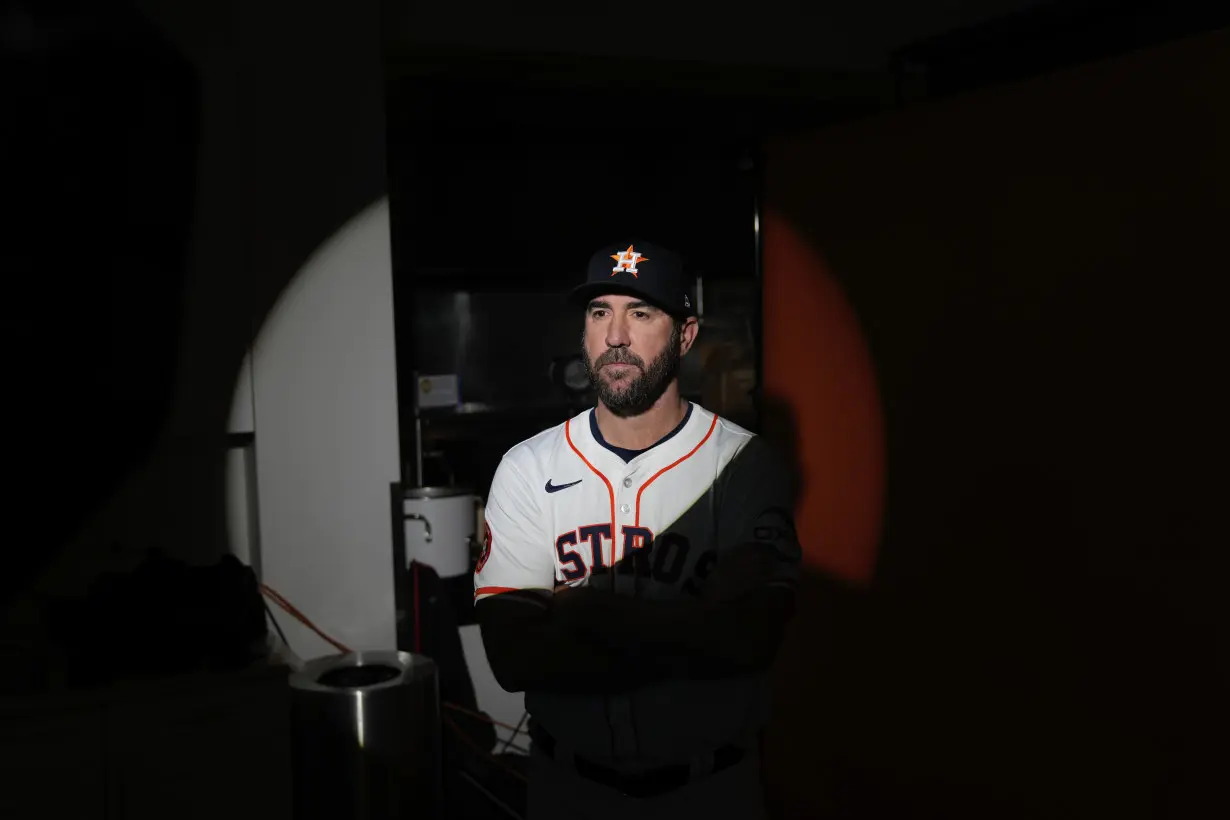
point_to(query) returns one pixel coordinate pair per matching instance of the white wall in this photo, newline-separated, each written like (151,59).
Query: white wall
(324,398)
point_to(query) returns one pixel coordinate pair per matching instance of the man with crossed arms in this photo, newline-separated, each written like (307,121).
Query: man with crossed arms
(638,572)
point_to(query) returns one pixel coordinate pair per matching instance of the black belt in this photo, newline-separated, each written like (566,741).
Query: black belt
(648,783)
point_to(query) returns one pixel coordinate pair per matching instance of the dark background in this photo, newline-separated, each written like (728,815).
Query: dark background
(1044,635)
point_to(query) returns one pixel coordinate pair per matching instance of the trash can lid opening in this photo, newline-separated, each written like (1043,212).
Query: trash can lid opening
(354,677)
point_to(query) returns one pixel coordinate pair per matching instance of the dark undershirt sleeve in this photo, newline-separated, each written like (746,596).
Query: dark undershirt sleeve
(530,650)
(737,625)
(757,508)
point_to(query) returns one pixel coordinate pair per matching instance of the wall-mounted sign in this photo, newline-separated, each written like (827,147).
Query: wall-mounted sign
(438,391)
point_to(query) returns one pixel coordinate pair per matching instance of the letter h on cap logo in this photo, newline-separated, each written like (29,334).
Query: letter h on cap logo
(626,261)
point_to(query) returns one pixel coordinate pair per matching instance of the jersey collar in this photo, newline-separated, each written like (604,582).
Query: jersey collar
(683,439)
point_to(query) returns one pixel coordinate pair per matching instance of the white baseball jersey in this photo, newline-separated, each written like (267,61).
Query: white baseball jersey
(566,507)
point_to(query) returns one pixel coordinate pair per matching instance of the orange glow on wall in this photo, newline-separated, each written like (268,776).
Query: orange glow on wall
(817,365)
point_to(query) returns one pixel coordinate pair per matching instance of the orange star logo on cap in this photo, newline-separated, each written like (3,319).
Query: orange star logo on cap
(627,262)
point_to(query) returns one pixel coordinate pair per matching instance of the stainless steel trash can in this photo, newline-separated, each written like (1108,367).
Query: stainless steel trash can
(366,737)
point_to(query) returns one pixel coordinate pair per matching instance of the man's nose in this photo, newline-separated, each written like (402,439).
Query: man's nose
(617,333)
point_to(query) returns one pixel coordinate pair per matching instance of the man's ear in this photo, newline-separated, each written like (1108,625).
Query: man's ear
(687,334)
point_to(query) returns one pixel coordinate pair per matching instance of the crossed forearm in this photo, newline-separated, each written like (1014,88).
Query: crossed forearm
(696,639)
(538,652)
(593,641)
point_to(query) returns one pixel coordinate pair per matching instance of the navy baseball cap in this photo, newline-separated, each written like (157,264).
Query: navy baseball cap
(638,268)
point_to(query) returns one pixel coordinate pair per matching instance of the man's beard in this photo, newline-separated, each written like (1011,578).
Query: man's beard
(638,395)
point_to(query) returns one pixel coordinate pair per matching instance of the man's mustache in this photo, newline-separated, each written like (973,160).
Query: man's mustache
(618,356)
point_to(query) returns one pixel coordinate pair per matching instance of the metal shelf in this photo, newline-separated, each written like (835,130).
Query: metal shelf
(470,409)
(476,408)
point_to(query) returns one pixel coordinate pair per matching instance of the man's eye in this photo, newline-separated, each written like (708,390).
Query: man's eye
(640,314)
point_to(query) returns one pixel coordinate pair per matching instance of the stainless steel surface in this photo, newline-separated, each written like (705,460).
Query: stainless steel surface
(366,737)
(418,447)
(478,408)
(436,492)
(482,339)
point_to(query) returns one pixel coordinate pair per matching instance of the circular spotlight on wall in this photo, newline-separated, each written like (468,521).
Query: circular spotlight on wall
(820,391)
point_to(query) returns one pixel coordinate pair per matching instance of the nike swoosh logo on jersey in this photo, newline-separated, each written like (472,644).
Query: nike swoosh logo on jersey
(555,488)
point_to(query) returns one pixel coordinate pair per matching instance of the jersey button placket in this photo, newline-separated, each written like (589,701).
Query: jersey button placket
(620,707)
(624,496)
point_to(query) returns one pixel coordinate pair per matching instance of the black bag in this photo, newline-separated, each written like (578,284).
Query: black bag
(164,618)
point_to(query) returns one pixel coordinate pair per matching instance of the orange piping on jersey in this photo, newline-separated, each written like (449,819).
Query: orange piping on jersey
(610,490)
(671,466)
(493,590)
